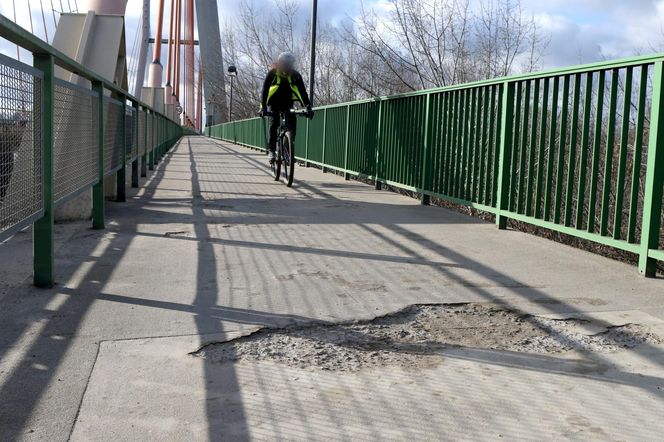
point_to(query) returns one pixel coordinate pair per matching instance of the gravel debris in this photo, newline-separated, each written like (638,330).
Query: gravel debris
(414,337)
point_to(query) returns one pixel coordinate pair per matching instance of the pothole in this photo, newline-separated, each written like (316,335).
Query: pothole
(414,337)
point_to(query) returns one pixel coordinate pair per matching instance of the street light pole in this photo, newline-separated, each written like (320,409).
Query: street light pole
(232,72)
(312,69)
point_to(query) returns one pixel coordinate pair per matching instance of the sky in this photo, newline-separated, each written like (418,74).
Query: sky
(580,31)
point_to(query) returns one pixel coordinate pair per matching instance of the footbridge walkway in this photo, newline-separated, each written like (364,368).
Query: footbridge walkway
(125,346)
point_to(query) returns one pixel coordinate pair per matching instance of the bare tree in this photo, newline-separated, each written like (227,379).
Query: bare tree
(414,44)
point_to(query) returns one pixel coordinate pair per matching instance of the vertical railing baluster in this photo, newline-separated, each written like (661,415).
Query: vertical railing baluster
(622,156)
(98,189)
(654,185)
(43,238)
(638,156)
(553,124)
(562,144)
(377,183)
(134,164)
(583,154)
(426,163)
(505,150)
(597,146)
(530,185)
(346,142)
(608,159)
(121,176)
(571,165)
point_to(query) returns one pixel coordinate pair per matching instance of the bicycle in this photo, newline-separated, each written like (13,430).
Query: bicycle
(285,152)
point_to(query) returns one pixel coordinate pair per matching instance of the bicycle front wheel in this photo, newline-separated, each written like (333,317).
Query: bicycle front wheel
(276,164)
(288,159)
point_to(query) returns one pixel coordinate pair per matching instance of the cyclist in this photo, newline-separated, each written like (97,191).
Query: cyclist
(283,86)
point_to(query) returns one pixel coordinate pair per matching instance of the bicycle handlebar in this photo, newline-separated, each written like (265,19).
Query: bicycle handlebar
(300,113)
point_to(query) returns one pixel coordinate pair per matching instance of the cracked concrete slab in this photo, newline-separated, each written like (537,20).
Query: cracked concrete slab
(154,389)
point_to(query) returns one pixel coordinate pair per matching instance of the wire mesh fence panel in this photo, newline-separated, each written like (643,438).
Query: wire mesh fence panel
(141,132)
(113,135)
(131,125)
(75,153)
(150,142)
(21,193)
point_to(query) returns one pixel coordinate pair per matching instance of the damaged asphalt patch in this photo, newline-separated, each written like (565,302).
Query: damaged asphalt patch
(414,337)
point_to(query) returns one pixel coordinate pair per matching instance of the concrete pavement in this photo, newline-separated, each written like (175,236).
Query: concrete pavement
(211,249)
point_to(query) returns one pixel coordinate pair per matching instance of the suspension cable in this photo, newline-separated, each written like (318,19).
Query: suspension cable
(55,23)
(18,49)
(41,4)
(32,28)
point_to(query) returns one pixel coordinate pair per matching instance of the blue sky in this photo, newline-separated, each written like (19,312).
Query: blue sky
(581,30)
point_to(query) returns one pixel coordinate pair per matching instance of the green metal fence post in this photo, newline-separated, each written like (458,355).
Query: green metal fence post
(134,164)
(150,137)
(43,241)
(507,117)
(144,157)
(425,199)
(377,183)
(652,200)
(346,174)
(98,189)
(306,146)
(323,168)
(121,176)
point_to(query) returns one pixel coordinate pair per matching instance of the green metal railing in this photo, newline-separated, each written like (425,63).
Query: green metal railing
(59,139)
(578,150)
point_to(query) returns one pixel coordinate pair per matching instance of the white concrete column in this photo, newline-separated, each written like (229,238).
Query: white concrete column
(110,7)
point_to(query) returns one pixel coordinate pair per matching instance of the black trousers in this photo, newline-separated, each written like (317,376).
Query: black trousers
(275,121)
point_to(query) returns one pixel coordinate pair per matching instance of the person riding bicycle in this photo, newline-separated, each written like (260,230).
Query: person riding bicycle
(283,86)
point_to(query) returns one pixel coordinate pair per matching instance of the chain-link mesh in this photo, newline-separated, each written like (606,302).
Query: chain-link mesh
(113,141)
(20,144)
(141,132)
(75,155)
(130,133)
(150,133)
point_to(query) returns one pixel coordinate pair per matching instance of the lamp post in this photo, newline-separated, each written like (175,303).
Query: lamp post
(312,69)
(232,72)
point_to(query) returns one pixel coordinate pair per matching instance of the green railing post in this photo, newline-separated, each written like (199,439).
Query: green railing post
(98,189)
(43,241)
(323,168)
(652,200)
(150,137)
(134,164)
(507,116)
(306,146)
(346,174)
(426,176)
(121,177)
(144,157)
(377,184)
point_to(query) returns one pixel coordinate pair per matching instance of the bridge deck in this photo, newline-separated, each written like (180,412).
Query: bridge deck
(212,248)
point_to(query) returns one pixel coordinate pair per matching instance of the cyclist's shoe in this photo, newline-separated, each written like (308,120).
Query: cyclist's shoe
(273,157)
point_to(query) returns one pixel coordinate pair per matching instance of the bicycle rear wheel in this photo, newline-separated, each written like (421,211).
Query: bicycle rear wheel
(288,158)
